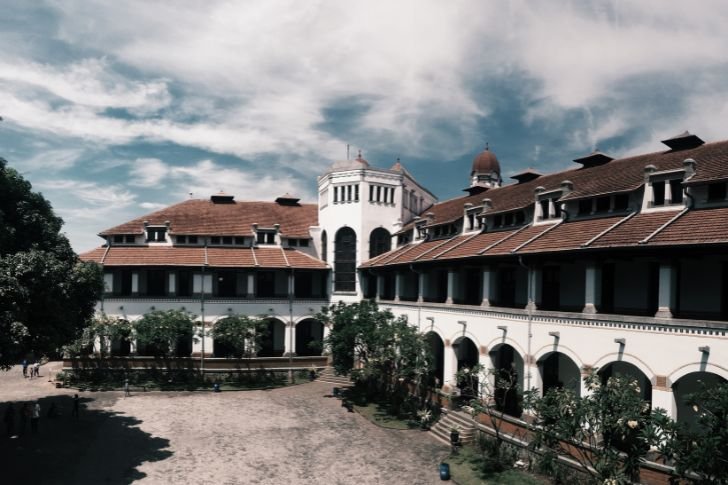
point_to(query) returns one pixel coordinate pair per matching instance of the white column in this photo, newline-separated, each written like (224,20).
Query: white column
(135,283)
(649,196)
(666,293)
(668,192)
(397,285)
(534,283)
(488,274)
(552,209)
(108,282)
(421,287)
(380,287)
(172,284)
(291,285)
(197,342)
(450,285)
(539,211)
(289,339)
(591,287)
(251,285)
(450,367)
(663,397)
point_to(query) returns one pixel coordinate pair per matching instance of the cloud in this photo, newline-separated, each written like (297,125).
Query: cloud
(88,82)
(147,172)
(106,197)
(152,205)
(51,160)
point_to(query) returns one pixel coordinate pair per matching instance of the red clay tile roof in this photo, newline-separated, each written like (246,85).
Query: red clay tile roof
(633,230)
(197,256)
(474,246)
(706,226)
(570,235)
(518,237)
(203,217)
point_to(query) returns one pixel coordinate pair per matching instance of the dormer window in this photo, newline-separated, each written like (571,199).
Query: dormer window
(265,237)
(550,209)
(666,192)
(124,239)
(717,192)
(156,234)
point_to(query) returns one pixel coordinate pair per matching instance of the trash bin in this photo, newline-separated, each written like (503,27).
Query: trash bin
(444,471)
(216,387)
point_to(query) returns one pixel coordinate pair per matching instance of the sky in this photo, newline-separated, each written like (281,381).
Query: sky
(116,109)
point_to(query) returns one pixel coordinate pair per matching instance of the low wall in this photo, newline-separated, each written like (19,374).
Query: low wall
(212,364)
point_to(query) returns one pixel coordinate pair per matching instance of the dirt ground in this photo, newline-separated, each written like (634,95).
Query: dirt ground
(289,435)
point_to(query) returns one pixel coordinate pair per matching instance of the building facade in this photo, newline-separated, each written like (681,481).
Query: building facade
(616,264)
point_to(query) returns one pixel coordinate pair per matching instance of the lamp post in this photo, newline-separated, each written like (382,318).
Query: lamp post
(202,317)
(291,287)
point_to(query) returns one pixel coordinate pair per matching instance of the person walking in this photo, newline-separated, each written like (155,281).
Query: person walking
(24,416)
(9,419)
(35,417)
(74,412)
(25,367)
(126,388)
(36,369)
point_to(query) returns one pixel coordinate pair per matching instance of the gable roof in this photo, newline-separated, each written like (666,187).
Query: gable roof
(204,217)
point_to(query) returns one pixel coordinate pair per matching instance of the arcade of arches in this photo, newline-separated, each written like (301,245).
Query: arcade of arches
(308,336)
(555,370)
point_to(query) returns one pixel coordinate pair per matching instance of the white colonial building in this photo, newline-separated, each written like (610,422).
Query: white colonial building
(616,264)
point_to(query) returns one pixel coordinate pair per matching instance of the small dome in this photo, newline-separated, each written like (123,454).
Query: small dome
(355,164)
(485,162)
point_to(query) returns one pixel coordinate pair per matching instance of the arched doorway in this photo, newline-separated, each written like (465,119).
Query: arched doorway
(467,357)
(508,379)
(345,260)
(121,345)
(625,369)
(380,241)
(437,354)
(273,343)
(689,384)
(309,337)
(558,371)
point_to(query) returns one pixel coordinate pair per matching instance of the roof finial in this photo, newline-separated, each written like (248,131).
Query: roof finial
(359,156)
(486,145)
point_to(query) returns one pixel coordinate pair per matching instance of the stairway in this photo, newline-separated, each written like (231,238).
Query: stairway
(329,376)
(450,419)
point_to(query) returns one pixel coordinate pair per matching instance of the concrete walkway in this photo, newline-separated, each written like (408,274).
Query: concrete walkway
(289,435)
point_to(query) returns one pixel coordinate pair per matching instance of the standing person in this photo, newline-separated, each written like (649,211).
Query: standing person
(74,413)
(126,388)
(9,419)
(25,367)
(36,369)
(24,416)
(35,417)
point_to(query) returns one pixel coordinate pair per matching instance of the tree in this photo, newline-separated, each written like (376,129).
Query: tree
(46,294)
(608,431)
(374,345)
(699,451)
(99,335)
(239,335)
(492,390)
(166,334)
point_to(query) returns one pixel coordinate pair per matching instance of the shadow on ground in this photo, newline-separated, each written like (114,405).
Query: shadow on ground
(98,447)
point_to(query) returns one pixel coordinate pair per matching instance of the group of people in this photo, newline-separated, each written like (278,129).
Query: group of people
(27,412)
(30,411)
(34,369)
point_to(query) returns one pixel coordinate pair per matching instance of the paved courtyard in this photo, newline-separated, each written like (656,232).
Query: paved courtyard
(290,435)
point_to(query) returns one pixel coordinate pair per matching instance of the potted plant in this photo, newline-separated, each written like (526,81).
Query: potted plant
(425,416)
(455,435)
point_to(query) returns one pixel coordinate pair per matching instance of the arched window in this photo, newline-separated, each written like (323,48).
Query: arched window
(380,241)
(345,260)
(324,246)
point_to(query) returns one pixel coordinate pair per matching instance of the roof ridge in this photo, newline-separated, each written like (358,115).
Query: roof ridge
(394,255)
(662,227)
(517,248)
(458,244)
(284,256)
(432,249)
(103,258)
(487,248)
(255,258)
(609,229)
(205,252)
